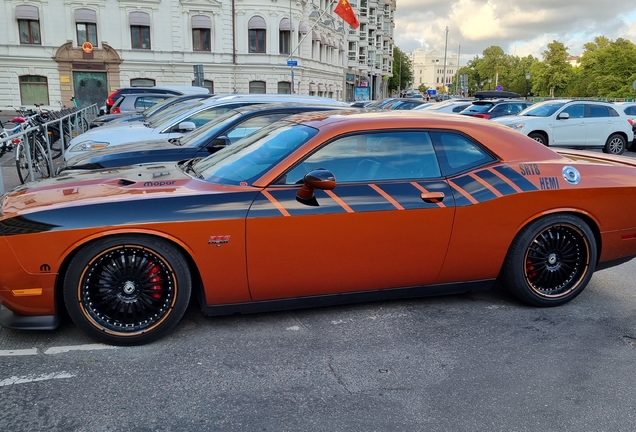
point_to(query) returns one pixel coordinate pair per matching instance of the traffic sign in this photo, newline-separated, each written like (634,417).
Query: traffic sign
(499,87)
(292,62)
(431,92)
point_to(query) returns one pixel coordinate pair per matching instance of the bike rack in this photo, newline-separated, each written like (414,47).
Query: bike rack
(87,113)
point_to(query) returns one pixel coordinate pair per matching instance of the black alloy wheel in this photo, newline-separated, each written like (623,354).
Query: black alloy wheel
(551,260)
(127,290)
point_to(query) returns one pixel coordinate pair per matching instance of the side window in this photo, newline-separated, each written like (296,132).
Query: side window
(147,101)
(597,111)
(500,108)
(456,153)
(630,110)
(575,111)
(253,124)
(370,157)
(203,117)
(612,112)
(459,108)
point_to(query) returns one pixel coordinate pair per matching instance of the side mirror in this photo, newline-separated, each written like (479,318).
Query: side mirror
(563,116)
(218,143)
(186,126)
(321,179)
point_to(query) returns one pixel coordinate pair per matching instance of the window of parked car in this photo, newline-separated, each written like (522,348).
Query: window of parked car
(28,24)
(253,124)
(142,82)
(140,30)
(203,117)
(457,153)
(257,30)
(142,103)
(630,110)
(600,111)
(369,156)
(542,109)
(201,39)
(576,111)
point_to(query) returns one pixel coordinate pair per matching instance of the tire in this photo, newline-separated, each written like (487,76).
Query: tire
(615,144)
(39,160)
(550,261)
(104,295)
(539,137)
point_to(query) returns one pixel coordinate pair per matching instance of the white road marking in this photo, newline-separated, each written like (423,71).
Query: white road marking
(19,352)
(32,378)
(87,347)
(294,328)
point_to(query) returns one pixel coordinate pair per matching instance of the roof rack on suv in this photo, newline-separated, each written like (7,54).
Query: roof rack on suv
(488,94)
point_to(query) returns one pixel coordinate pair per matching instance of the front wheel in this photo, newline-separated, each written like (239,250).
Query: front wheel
(39,161)
(550,261)
(615,144)
(127,290)
(539,137)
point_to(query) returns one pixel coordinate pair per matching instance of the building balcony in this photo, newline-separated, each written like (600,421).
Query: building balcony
(363,43)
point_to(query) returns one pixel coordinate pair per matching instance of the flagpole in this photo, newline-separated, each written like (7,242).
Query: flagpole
(310,28)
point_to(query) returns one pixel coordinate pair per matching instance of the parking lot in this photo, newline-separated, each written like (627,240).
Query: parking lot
(475,361)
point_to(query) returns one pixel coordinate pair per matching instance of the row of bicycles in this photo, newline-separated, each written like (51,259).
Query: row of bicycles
(49,134)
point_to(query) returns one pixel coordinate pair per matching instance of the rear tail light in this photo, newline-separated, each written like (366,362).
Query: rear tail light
(111,96)
(484,116)
(630,121)
(115,110)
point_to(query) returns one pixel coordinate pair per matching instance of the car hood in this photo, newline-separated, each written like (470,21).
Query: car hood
(141,146)
(144,181)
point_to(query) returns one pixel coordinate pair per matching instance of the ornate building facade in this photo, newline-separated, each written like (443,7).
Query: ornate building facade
(51,50)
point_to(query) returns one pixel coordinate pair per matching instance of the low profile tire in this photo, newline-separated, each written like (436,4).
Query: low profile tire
(127,290)
(550,261)
(615,144)
(539,137)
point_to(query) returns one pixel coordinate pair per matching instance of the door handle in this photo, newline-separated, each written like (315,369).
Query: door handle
(432,197)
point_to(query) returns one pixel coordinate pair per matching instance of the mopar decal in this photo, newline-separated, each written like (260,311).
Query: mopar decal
(529,169)
(159,183)
(549,183)
(45,268)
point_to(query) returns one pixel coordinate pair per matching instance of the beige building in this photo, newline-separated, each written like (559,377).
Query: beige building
(51,50)
(428,69)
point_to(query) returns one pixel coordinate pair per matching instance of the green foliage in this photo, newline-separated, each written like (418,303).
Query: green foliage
(402,71)
(422,88)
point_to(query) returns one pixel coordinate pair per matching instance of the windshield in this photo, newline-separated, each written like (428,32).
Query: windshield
(542,109)
(209,129)
(169,114)
(440,105)
(478,107)
(160,106)
(249,158)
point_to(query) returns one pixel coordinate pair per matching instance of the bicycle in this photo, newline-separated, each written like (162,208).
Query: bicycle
(79,125)
(36,154)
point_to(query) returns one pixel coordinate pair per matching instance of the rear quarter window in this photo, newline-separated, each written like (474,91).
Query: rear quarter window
(457,153)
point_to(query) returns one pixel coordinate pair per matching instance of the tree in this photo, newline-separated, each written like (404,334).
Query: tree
(423,88)
(607,68)
(402,73)
(552,75)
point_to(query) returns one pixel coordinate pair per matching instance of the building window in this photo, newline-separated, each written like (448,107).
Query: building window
(256,34)
(284,36)
(257,87)
(86,26)
(208,84)
(142,82)
(140,30)
(29,32)
(34,89)
(201,32)
(284,87)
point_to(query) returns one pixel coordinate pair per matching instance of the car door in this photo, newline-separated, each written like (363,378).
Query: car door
(599,124)
(387,223)
(570,131)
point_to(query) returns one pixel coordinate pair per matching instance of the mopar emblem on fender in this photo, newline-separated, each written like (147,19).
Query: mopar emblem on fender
(219,240)
(571,175)
(45,268)
(159,183)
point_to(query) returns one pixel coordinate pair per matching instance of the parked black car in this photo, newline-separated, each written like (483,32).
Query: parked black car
(491,108)
(230,127)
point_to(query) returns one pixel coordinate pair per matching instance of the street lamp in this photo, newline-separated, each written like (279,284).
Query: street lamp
(527,88)
(489,81)
(481,85)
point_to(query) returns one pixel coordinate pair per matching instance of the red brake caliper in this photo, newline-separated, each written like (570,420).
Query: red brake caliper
(530,269)
(154,270)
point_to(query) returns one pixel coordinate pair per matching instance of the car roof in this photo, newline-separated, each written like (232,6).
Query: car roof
(289,106)
(184,89)
(164,95)
(273,98)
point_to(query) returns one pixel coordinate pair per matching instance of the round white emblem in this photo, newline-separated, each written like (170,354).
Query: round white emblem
(571,175)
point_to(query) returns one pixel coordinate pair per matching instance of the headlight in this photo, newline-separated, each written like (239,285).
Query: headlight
(516,126)
(88,145)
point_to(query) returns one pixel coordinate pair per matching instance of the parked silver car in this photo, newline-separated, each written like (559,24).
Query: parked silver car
(137,102)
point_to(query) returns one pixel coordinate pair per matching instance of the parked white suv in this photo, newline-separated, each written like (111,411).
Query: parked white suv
(574,123)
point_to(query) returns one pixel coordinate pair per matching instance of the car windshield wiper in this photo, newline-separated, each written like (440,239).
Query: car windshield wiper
(188,167)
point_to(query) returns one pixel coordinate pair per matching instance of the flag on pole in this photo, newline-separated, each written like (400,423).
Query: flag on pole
(346,13)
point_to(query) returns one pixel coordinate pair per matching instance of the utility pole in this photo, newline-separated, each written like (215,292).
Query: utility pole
(291,34)
(457,72)
(445,50)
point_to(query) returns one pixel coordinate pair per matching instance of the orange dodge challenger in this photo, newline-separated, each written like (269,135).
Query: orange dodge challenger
(321,208)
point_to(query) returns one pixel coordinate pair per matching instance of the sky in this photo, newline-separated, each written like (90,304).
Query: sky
(519,27)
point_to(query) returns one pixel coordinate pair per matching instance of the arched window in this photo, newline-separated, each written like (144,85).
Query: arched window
(258,87)
(28,24)
(284,36)
(201,33)
(208,84)
(34,89)
(86,26)
(139,30)
(257,30)
(142,82)
(284,87)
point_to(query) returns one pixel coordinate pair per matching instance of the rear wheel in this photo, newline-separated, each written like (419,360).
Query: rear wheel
(550,261)
(127,290)
(615,144)
(39,161)
(539,137)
